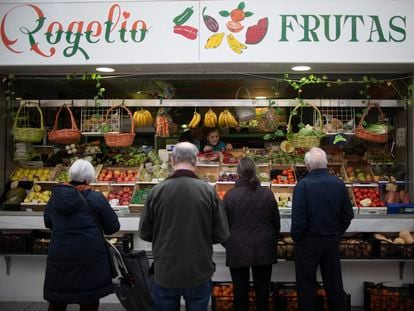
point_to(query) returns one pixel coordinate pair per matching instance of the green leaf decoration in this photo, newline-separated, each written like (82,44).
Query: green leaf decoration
(358,115)
(248,14)
(241,6)
(364,123)
(301,125)
(224,13)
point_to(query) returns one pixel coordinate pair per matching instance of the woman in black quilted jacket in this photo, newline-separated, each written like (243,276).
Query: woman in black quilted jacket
(78,269)
(254,223)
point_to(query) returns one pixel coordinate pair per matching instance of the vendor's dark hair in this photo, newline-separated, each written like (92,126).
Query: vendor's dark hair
(247,170)
(211,130)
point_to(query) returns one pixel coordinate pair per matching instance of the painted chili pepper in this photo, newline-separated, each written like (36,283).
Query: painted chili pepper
(210,22)
(187,31)
(183,17)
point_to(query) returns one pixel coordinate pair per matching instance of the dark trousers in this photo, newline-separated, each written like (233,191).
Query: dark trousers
(310,253)
(94,306)
(261,283)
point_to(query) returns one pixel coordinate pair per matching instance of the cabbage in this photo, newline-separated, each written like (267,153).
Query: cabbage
(377,128)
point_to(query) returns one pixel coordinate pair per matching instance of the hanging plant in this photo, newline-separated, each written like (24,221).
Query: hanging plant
(10,95)
(100,91)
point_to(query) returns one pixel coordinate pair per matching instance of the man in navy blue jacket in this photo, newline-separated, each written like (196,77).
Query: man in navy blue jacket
(321,213)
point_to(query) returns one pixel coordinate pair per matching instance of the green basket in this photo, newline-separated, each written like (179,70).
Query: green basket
(299,141)
(28,134)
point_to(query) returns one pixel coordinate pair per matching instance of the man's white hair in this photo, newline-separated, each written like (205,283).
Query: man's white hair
(185,152)
(315,158)
(82,171)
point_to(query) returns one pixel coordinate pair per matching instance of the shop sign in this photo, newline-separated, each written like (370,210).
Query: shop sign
(146,32)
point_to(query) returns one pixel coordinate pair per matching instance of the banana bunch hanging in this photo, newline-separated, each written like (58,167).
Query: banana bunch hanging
(226,119)
(210,118)
(195,121)
(142,118)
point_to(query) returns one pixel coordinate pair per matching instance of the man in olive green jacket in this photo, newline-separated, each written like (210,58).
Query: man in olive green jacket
(183,218)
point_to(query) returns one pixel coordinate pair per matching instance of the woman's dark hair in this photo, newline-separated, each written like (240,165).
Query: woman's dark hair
(247,170)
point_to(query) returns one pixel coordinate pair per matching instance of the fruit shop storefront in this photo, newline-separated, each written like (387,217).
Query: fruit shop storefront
(194,64)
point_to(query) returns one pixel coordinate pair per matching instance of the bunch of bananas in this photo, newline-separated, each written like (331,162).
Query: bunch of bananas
(142,118)
(210,118)
(214,40)
(235,44)
(195,121)
(226,119)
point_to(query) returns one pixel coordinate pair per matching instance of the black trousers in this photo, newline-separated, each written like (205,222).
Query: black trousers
(310,253)
(261,283)
(94,306)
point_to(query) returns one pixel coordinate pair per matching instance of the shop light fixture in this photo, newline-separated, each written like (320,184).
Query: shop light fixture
(260,97)
(105,69)
(301,68)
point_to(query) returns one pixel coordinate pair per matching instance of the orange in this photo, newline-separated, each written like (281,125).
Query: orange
(237,15)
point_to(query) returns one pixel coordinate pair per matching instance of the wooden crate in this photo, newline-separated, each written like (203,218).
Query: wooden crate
(139,197)
(208,172)
(37,198)
(121,175)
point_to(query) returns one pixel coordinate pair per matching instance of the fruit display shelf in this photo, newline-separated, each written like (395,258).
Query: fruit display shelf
(139,197)
(32,173)
(283,196)
(117,174)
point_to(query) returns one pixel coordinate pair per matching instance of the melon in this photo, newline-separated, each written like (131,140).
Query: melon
(286,146)
(256,33)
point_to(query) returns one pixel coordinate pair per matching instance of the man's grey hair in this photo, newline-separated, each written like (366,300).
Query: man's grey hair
(185,152)
(82,171)
(315,158)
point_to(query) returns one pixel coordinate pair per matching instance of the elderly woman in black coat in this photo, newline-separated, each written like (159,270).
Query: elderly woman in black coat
(78,269)
(254,223)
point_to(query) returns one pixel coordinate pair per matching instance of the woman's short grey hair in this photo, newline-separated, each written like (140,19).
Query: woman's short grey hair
(82,171)
(185,152)
(316,158)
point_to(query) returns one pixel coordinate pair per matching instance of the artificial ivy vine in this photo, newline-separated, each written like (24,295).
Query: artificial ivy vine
(10,95)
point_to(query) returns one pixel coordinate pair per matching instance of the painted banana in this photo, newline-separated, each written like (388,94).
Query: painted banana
(195,120)
(214,41)
(235,44)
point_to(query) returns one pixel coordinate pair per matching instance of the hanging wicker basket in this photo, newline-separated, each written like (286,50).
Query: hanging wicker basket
(28,134)
(64,136)
(300,141)
(114,139)
(244,113)
(363,134)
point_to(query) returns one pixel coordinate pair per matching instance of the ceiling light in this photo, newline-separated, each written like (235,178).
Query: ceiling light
(105,69)
(260,97)
(301,68)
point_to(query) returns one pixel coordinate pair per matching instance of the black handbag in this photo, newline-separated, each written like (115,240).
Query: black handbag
(131,277)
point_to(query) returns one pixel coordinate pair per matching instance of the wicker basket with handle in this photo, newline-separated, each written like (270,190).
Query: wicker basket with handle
(363,134)
(114,139)
(28,134)
(300,141)
(64,136)
(244,113)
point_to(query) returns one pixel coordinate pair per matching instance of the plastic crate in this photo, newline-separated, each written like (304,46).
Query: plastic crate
(286,297)
(400,208)
(222,297)
(15,243)
(123,243)
(357,248)
(379,297)
(40,242)
(389,250)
